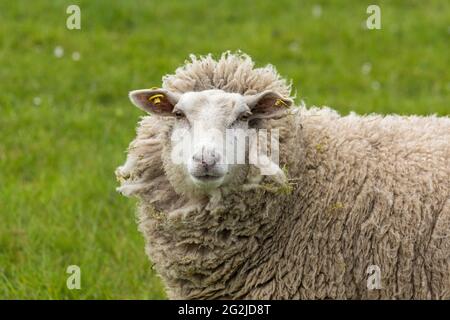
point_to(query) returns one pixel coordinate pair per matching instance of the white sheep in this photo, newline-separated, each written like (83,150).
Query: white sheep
(349,192)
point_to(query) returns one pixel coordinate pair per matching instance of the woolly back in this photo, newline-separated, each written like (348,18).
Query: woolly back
(232,72)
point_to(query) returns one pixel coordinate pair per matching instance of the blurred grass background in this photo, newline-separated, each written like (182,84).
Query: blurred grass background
(66,121)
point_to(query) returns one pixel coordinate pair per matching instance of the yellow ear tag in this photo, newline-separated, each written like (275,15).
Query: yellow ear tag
(280,103)
(156,98)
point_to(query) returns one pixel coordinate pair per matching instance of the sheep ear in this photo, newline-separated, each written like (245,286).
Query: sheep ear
(267,104)
(154,101)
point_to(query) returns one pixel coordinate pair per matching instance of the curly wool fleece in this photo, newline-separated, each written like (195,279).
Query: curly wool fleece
(363,190)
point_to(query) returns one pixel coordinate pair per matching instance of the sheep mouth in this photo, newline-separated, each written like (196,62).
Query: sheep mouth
(207,180)
(207,177)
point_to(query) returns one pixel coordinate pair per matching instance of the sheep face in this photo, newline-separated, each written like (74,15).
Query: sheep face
(209,131)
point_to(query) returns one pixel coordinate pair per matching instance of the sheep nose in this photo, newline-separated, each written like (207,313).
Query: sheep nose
(206,157)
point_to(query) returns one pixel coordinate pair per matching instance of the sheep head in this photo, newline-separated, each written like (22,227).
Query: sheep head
(214,134)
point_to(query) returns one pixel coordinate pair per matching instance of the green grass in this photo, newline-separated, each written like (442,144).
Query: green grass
(58,204)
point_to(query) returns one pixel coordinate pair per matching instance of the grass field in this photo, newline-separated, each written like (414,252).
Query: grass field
(65,121)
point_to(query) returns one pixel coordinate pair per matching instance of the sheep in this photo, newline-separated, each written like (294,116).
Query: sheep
(351,194)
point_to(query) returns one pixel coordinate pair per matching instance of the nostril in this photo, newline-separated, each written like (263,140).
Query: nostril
(197,157)
(217,157)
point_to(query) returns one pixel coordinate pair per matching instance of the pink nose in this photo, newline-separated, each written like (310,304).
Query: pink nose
(206,157)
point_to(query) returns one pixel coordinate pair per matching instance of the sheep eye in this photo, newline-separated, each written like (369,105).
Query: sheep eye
(244,116)
(179,114)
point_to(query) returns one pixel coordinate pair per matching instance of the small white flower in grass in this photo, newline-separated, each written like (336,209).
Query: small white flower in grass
(37,101)
(58,52)
(375,85)
(317,11)
(366,68)
(76,56)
